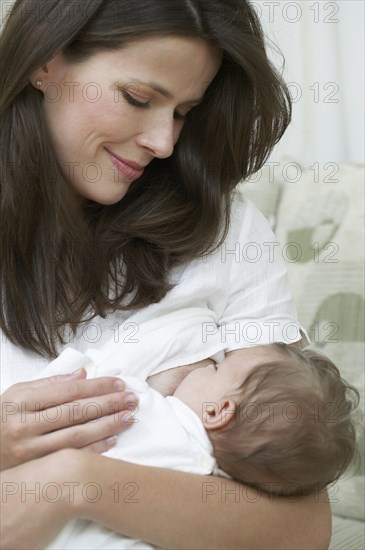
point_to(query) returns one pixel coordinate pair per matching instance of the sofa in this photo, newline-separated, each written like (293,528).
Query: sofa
(317,214)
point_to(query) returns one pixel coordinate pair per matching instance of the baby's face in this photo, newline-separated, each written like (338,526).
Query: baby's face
(215,383)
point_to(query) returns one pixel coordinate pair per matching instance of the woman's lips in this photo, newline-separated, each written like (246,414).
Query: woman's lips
(124,169)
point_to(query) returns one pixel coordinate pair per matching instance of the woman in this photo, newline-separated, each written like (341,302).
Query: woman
(125,128)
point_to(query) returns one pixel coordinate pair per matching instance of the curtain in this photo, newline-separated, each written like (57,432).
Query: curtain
(323,46)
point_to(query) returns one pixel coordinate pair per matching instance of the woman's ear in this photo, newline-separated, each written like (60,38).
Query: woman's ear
(54,71)
(218,416)
(39,77)
(37,83)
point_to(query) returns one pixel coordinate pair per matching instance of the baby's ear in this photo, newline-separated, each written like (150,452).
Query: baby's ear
(217,416)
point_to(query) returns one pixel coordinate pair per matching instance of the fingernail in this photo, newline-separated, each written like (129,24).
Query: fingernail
(119,385)
(131,398)
(111,441)
(78,371)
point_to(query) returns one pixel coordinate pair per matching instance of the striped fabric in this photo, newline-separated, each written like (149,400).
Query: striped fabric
(347,534)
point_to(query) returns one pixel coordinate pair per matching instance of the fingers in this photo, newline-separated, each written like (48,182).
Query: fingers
(81,411)
(51,380)
(37,434)
(101,446)
(92,436)
(67,391)
(73,412)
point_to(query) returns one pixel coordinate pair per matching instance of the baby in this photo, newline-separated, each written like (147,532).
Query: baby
(282,422)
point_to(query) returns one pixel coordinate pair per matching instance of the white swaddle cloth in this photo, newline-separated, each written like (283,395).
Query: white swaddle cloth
(165,433)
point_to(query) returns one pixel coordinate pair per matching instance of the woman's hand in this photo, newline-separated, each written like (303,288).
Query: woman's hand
(42,416)
(36,499)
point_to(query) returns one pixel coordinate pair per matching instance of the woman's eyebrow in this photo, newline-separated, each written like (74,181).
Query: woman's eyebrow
(159,89)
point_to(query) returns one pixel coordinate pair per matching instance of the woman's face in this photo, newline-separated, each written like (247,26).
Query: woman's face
(125,104)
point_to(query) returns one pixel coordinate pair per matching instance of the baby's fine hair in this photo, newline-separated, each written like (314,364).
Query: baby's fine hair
(294,429)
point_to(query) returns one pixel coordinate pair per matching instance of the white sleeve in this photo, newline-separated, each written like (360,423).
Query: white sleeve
(259,308)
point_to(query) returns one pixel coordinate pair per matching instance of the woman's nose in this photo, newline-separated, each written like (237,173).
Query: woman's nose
(159,138)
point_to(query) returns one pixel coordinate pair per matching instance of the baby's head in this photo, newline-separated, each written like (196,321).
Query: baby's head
(281,421)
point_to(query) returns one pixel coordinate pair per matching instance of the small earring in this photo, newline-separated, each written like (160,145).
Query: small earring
(38,83)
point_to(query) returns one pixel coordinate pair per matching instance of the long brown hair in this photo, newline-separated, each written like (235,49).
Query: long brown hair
(60,263)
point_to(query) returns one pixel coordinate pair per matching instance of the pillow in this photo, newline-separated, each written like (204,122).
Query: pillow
(347,534)
(264,192)
(320,226)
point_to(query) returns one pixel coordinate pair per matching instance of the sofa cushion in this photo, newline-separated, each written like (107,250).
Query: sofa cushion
(320,225)
(347,534)
(265,192)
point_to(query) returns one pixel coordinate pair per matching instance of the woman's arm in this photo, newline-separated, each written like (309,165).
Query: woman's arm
(168,508)
(173,509)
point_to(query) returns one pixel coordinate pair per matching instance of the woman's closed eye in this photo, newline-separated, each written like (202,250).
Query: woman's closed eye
(132,101)
(140,105)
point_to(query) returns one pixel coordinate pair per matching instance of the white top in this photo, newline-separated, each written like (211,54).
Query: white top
(166,433)
(240,293)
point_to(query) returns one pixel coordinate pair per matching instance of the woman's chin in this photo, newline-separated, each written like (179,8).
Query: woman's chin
(104,198)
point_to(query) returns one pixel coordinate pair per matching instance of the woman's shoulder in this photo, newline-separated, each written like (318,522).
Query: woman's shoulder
(247,221)
(17,364)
